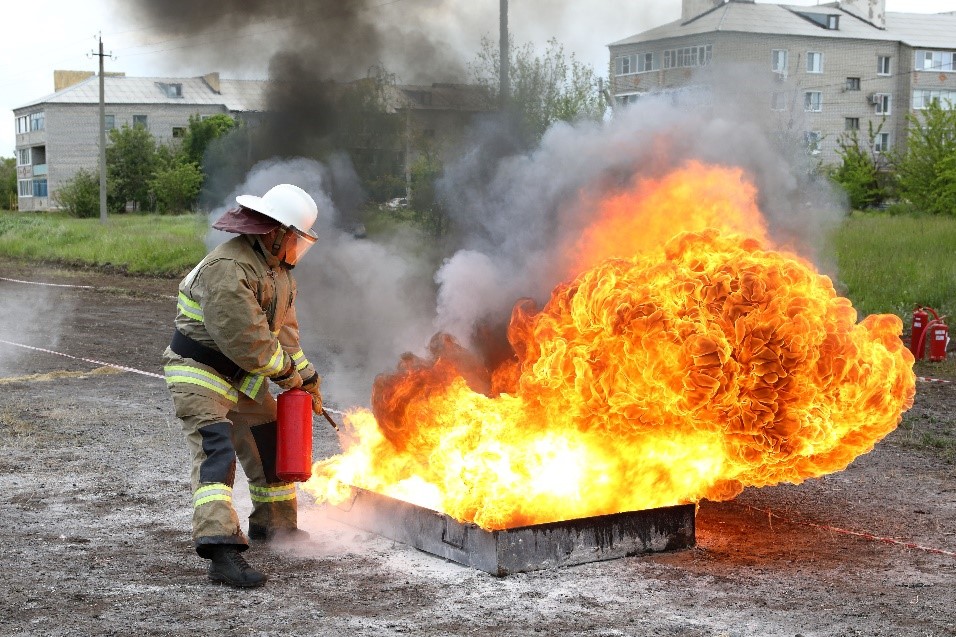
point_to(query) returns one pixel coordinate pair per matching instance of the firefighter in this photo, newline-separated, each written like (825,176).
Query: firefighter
(236,331)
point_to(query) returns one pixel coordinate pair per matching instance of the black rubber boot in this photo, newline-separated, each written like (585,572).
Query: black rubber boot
(264,534)
(227,566)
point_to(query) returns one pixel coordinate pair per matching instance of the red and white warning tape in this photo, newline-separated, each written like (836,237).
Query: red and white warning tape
(932,380)
(860,534)
(85,360)
(52,285)
(66,285)
(114,365)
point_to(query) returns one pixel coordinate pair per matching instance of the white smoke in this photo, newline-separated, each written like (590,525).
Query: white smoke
(32,315)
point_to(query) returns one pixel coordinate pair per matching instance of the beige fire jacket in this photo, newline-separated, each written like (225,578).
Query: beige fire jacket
(240,302)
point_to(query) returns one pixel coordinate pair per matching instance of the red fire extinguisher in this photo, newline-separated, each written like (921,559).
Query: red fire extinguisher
(939,338)
(294,438)
(920,318)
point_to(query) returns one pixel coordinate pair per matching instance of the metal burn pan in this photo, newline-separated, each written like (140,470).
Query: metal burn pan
(521,549)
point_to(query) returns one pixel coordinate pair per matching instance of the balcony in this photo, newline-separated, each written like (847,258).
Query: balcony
(39,170)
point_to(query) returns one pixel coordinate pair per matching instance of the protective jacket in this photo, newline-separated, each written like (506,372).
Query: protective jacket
(238,302)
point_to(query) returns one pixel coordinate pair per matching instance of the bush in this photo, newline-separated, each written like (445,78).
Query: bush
(859,174)
(8,181)
(80,196)
(176,187)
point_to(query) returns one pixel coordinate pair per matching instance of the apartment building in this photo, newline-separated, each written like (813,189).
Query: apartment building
(58,134)
(827,69)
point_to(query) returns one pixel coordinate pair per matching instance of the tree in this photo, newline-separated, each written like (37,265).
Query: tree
(429,212)
(370,130)
(175,187)
(859,172)
(8,181)
(926,170)
(130,163)
(544,89)
(80,196)
(201,132)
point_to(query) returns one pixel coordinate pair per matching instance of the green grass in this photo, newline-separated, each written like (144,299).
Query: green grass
(891,264)
(155,245)
(887,264)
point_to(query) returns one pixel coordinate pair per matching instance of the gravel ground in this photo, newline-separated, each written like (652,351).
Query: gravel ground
(94,535)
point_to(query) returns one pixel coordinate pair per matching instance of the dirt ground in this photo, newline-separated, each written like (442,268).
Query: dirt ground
(94,530)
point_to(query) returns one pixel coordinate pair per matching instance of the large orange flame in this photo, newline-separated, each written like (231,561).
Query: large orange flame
(687,360)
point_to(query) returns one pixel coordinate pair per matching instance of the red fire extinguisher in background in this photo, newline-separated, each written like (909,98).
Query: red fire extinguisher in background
(935,330)
(939,338)
(294,436)
(920,318)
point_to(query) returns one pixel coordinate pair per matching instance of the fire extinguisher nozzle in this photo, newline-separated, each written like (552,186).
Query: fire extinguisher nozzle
(326,415)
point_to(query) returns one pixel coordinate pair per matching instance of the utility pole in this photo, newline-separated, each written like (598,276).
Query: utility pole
(504,59)
(102,55)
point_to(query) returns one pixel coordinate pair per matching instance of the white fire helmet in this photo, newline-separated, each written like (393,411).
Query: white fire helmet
(291,206)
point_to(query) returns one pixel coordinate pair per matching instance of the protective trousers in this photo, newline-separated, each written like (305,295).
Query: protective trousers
(217,433)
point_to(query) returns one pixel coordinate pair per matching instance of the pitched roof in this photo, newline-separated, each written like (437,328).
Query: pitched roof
(445,96)
(235,95)
(937,31)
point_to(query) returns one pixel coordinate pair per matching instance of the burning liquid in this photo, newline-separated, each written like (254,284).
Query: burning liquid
(687,360)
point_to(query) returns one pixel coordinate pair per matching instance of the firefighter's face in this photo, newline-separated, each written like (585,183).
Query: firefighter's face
(292,244)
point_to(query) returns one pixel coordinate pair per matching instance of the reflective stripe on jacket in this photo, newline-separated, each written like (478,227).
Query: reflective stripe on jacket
(238,301)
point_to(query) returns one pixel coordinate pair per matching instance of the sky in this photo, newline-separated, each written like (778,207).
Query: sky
(70,29)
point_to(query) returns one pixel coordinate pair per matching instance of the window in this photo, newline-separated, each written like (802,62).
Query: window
(687,57)
(171,90)
(935,60)
(813,139)
(852,123)
(883,65)
(813,101)
(37,121)
(778,61)
(778,101)
(814,62)
(23,125)
(39,188)
(883,102)
(881,143)
(624,65)
(25,187)
(946,98)
(139,121)
(853,84)
(636,63)
(23,157)
(179,132)
(110,121)
(833,22)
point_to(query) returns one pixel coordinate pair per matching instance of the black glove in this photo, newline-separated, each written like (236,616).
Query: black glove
(289,379)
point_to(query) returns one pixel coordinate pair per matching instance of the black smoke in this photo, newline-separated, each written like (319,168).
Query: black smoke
(314,49)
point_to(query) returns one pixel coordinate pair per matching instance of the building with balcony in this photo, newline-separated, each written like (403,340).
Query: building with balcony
(827,69)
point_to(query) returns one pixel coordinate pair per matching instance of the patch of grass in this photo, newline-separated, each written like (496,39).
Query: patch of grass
(158,245)
(889,264)
(926,432)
